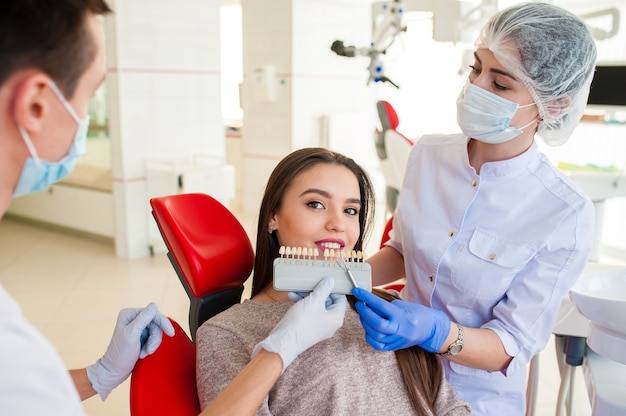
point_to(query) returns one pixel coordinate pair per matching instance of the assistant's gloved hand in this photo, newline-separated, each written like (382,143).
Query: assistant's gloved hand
(126,348)
(390,326)
(306,323)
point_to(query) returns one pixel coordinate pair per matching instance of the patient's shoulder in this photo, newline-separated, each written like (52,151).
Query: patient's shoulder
(248,321)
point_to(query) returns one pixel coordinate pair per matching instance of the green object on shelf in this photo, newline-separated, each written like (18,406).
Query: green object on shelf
(589,167)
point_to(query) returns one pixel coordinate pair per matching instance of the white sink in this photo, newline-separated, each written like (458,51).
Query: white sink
(601,297)
(600,185)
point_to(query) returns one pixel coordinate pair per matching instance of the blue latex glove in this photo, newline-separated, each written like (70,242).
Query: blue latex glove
(128,344)
(390,326)
(306,323)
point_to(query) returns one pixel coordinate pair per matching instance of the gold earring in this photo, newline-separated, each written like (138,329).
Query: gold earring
(270,230)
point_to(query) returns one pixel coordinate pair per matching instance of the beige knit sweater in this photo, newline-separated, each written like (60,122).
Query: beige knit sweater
(340,376)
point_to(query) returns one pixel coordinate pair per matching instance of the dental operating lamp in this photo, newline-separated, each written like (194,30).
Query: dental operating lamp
(449,25)
(387,24)
(453,21)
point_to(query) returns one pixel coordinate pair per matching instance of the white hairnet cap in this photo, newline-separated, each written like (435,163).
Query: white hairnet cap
(553,53)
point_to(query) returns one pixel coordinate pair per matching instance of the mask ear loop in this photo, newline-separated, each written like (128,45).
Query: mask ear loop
(531,121)
(82,123)
(529,124)
(29,145)
(64,101)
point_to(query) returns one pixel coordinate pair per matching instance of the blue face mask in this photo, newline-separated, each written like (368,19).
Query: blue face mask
(38,174)
(486,116)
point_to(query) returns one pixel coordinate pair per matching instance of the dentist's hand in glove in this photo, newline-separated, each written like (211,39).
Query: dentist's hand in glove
(390,326)
(307,322)
(128,345)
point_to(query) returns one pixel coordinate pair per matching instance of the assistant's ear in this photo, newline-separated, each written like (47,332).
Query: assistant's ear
(30,104)
(556,106)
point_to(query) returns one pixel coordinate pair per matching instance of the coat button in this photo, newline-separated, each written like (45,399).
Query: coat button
(492,256)
(451,233)
(474,182)
(430,277)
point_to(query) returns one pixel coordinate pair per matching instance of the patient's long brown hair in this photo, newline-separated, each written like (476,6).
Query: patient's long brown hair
(421,370)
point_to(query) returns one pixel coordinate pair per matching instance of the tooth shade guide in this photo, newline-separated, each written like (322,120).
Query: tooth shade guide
(306,253)
(302,272)
(295,254)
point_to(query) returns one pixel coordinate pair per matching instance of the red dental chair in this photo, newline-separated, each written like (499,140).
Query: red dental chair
(212,256)
(393,149)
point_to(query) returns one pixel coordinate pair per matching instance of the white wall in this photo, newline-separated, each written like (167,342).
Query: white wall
(163,69)
(294,36)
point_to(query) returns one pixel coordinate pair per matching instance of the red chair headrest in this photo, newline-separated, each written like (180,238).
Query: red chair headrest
(207,242)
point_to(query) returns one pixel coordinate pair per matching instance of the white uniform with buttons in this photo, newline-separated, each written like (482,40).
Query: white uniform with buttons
(499,250)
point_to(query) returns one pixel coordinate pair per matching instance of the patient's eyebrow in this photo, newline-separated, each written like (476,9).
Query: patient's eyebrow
(327,194)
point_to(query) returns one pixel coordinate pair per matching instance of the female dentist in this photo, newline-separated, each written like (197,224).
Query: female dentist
(489,235)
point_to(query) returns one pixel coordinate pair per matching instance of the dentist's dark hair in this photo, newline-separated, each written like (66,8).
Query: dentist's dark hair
(51,36)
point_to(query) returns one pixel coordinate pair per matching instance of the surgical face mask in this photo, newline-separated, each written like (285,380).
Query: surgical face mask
(486,116)
(38,174)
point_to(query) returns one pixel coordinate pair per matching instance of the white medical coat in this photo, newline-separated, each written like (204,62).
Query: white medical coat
(33,377)
(498,250)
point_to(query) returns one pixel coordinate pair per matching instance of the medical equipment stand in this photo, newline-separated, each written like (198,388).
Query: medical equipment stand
(605,378)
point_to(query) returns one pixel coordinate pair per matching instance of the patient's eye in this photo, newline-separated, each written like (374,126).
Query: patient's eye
(315,205)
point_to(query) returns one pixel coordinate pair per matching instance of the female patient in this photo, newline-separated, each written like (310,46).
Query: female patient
(318,198)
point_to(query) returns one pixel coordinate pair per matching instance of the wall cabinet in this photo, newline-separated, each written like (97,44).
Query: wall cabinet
(68,206)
